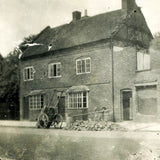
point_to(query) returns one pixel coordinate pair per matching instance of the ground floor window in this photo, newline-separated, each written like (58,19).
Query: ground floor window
(36,102)
(147,100)
(78,100)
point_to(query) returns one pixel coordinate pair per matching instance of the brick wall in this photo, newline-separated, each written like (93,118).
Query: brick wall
(124,74)
(98,81)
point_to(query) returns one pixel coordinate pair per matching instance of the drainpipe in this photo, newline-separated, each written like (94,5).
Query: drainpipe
(112,63)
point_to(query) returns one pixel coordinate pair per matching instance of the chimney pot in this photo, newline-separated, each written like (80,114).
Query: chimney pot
(76,15)
(129,5)
(85,13)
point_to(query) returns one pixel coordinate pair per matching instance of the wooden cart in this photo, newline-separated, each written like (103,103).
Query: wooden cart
(49,116)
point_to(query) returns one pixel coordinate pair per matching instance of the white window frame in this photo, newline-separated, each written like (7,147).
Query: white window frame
(78,96)
(35,102)
(143,61)
(80,60)
(49,70)
(31,73)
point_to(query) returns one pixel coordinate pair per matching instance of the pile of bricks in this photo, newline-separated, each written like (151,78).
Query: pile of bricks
(80,125)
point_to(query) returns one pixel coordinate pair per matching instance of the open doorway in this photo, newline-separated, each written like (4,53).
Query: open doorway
(61,106)
(126,104)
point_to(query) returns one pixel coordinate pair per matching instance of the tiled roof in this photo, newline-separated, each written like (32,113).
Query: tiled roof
(85,30)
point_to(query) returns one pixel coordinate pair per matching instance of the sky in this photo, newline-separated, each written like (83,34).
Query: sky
(21,18)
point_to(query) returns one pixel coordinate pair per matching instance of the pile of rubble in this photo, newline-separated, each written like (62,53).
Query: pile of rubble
(80,125)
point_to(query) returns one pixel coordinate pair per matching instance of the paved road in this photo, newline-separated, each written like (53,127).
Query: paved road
(51,144)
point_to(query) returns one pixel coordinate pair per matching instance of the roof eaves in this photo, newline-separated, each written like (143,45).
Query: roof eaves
(61,49)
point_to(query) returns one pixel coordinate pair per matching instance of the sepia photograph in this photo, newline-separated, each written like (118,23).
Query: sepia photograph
(80,80)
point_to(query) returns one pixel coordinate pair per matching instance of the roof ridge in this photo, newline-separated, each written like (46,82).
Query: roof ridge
(57,27)
(41,32)
(90,17)
(86,18)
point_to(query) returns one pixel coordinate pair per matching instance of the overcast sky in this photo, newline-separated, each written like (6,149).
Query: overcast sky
(20,18)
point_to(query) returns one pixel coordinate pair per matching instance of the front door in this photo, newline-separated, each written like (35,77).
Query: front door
(61,106)
(126,100)
(26,108)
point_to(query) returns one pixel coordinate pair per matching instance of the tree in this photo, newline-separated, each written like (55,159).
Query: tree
(10,80)
(1,64)
(9,77)
(155,44)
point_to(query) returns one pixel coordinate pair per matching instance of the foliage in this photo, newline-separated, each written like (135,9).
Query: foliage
(10,79)
(9,75)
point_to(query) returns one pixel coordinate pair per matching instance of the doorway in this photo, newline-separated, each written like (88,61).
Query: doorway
(25,108)
(61,106)
(126,104)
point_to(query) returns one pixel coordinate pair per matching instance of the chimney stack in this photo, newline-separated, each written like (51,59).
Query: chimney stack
(129,5)
(76,15)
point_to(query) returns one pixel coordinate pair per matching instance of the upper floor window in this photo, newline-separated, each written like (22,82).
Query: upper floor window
(36,102)
(143,61)
(54,70)
(83,66)
(28,73)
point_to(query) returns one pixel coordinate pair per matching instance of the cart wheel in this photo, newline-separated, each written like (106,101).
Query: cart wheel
(43,121)
(58,121)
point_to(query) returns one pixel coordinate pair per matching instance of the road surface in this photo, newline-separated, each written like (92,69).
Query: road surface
(52,144)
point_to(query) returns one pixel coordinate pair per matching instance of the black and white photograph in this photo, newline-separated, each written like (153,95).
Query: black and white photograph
(80,80)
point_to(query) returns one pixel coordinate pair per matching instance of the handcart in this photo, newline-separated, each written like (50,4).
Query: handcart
(49,117)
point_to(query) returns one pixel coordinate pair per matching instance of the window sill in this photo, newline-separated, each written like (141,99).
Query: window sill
(82,73)
(55,77)
(28,80)
(144,70)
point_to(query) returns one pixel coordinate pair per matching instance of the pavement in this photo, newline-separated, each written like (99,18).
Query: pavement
(139,126)
(12,123)
(129,125)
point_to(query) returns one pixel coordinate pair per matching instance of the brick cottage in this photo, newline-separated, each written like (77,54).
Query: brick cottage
(98,61)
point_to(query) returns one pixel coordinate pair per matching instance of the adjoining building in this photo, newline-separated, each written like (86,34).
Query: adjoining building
(97,62)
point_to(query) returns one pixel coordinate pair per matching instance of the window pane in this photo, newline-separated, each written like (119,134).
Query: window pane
(28,77)
(146,61)
(28,73)
(79,67)
(51,71)
(24,74)
(140,61)
(36,102)
(30,102)
(83,66)
(78,100)
(31,73)
(88,65)
(84,99)
(58,69)
(39,102)
(42,101)
(55,70)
